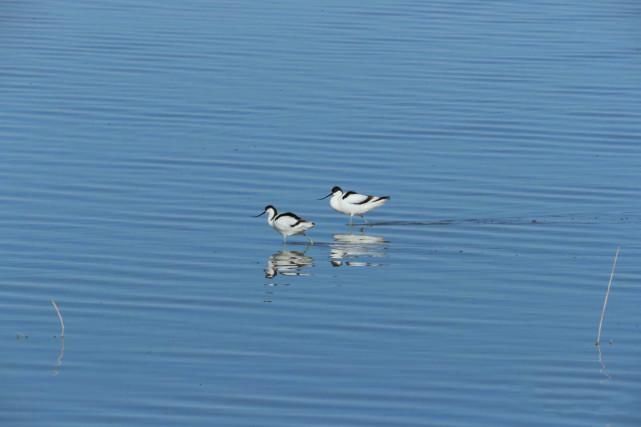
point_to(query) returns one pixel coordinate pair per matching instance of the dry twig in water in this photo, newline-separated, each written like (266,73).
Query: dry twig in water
(62,323)
(607,294)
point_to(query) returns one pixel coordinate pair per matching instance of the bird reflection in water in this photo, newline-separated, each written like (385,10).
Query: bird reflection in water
(357,250)
(288,263)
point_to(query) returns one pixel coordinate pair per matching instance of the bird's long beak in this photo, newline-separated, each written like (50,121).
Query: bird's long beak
(260,214)
(323,198)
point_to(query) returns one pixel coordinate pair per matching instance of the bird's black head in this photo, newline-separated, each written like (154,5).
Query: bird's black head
(268,207)
(335,190)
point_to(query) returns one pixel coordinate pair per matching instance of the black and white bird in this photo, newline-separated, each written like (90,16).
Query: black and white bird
(287,224)
(351,203)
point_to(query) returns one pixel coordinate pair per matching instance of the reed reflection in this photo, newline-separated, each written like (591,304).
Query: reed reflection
(357,250)
(288,263)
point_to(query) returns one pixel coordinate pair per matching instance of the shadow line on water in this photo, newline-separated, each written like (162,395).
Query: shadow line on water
(538,220)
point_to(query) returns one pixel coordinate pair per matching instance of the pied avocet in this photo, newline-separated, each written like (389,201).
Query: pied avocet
(351,203)
(287,224)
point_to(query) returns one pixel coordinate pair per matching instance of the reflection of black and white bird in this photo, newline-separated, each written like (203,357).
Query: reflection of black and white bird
(352,250)
(287,224)
(287,263)
(351,203)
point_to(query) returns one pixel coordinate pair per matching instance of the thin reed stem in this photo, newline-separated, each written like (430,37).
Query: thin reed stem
(62,323)
(607,294)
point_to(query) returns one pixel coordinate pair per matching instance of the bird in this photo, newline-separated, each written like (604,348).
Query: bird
(287,224)
(351,203)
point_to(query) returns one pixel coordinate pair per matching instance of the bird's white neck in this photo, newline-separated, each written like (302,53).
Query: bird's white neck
(335,200)
(271,214)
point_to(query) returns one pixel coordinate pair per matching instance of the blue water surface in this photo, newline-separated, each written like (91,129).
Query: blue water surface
(139,137)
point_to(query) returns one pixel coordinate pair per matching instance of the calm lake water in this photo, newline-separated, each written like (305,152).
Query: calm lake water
(138,138)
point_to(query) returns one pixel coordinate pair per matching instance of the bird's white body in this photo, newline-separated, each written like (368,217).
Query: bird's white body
(287,224)
(351,203)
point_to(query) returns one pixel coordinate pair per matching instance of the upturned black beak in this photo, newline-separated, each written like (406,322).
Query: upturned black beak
(323,198)
(260,214)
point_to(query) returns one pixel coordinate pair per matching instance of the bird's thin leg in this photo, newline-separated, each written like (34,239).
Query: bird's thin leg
(350,220)
(309,239)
